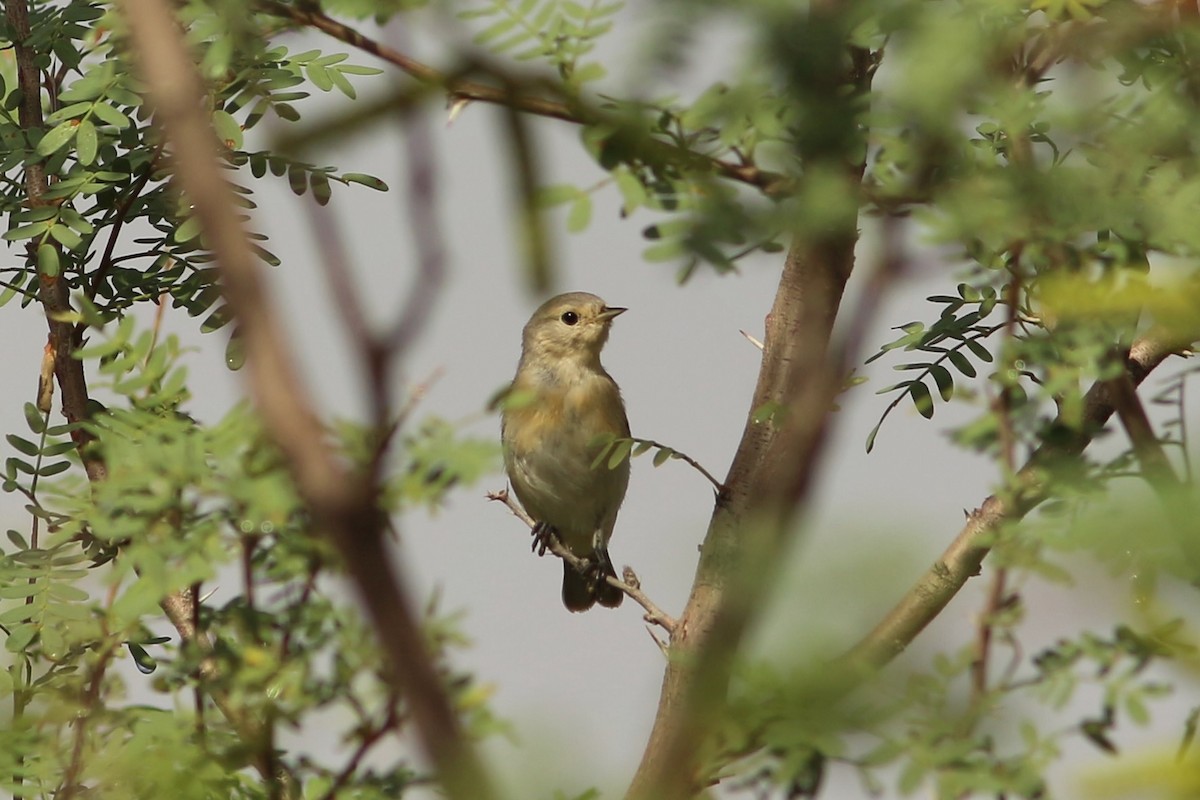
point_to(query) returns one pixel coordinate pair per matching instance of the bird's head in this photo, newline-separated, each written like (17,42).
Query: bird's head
(570,326)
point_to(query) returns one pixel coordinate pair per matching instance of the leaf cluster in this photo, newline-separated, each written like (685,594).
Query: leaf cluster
(186,505)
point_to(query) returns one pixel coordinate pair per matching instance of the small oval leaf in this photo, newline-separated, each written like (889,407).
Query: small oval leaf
(921,399)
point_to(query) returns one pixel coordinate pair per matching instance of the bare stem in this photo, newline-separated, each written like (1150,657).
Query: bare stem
(654,615)
(684,457)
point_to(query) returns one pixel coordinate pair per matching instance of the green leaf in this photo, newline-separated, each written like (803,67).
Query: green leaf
(355,69)
(319,76)
(632,190)
(57,138)
(663,251)
(229,131)
(86,142)
(962,363)
(555,195)
(26,231)
(68,112)
(21,637)
(65,236)
(48,260)
(235,353)
(620,453)
(20,613)
(591,71)
(188,230)
(580,214)
(662,456)
(139,599)
(943,379)
(921,399)
(141,659)
(320,188)
(980,351)
(22,445)
(50,470)
(604,443)
(75,221)
(297,179)
(19,590)
(9,292)
(496,30)
(342,83)
(111,116)
(67,593)
(370,181)
(34,418)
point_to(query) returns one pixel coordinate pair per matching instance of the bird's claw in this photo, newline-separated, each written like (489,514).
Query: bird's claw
(543,535)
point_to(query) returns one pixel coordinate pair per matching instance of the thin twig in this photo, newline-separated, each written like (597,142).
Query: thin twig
(1146,446)
(335,262)
(574,110)
(91,698)
(654,615)
(1008,454)
(684,457)
(369,739)
(120,215)
(425,225)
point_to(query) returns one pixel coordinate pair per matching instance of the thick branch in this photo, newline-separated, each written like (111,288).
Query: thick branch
(962,559)
(775,462)
(52,290)
(342,508)
(770,473)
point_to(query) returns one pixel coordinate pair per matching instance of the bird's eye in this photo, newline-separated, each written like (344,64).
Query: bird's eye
(570,317)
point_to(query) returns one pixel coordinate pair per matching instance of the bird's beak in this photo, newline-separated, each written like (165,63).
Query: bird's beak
(611,313)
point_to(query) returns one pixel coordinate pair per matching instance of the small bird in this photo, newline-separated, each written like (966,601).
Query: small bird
(560,401)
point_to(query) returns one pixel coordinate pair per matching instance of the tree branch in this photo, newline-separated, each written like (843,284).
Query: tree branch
(52,290)
(962,559)
(773,468)
(509,94)
(685,458)
(654,615)
(342,507)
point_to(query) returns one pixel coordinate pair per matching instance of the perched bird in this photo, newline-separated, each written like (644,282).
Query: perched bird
(560,401)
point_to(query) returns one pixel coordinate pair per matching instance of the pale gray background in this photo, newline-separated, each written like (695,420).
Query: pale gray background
(581,690)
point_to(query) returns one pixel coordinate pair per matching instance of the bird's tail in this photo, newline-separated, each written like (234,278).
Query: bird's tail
(580,592)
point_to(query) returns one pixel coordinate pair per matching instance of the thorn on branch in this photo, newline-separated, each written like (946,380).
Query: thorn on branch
(752,340)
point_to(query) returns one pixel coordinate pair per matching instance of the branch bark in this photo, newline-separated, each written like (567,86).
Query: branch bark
(52,290)
(963,558)
(770,474)
(343,508)
(780,447)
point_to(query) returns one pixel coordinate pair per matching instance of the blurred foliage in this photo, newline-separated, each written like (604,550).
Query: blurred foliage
(1044,154)
(97,701)
(186,505)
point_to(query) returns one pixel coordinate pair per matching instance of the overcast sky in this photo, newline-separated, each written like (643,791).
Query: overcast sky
(581,689)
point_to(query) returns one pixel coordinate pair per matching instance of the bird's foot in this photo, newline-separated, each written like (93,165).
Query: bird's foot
(544,535)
